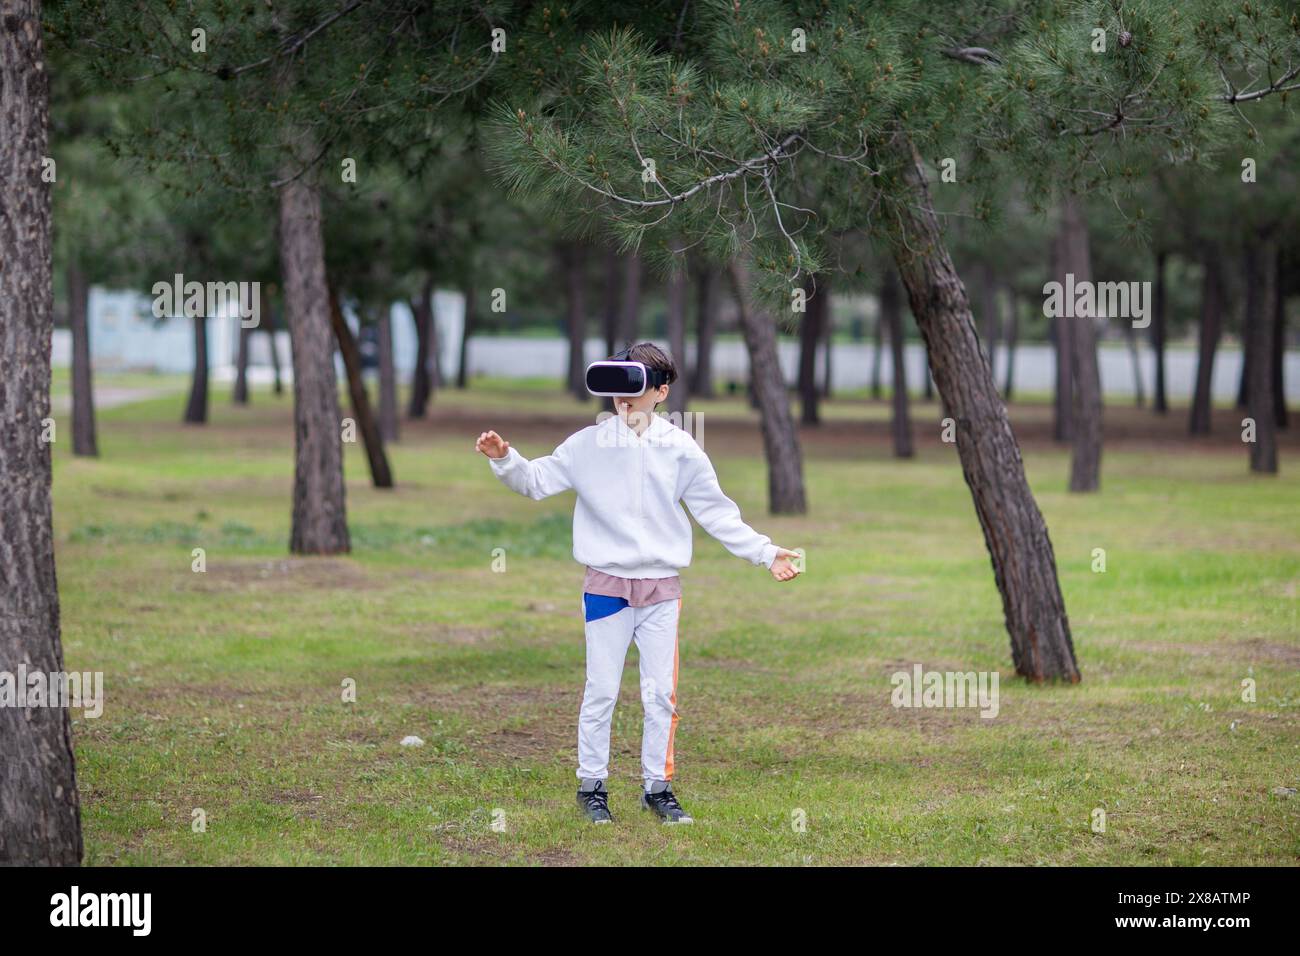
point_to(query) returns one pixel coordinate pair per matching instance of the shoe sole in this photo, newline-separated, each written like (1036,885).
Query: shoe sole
(684,821)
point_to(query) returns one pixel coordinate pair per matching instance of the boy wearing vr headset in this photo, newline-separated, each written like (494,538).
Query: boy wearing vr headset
(633,472)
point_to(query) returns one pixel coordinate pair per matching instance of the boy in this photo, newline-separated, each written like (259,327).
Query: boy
(632,473)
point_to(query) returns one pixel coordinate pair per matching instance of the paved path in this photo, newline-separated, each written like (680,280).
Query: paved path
(111,396)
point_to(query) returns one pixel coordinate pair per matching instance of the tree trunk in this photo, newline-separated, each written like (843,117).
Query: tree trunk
(1085,413)
(196,409)
(466,330)
(785,489)
(435,349)
(1247,318)
(891,314)
(573,270)
(40,811)
(677,392)
(1159,334)
(83,396)
(1060,328)
(422,313)
(1207,342)
(1279,344)
(828,336)
(380,474)
(1024,564)
(389,424)
(1261,290)
(239,395)
(877,353)
(1013,338)
(320,524)
(810,334)
(271,326)
(630,301)
(706,284)
(989,306)
(1135,360)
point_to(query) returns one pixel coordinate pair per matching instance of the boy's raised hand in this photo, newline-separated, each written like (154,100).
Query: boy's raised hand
(783,568)
(494,446)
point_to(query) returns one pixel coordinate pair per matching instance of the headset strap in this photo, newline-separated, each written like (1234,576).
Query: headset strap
(654,377)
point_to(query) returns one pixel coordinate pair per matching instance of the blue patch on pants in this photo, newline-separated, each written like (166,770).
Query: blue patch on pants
(597,606)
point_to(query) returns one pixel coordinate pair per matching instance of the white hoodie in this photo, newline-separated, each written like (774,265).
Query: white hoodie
(629,520)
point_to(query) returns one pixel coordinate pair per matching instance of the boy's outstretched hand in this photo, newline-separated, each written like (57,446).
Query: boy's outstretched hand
(494,446)
(783,568)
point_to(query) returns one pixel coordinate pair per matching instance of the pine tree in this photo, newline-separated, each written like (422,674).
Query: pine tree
(40,810)
(273,100)
(713,143)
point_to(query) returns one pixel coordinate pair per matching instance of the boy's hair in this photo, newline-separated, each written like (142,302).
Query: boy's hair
(653,357)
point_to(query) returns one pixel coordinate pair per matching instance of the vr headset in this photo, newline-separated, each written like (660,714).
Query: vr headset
(619,378)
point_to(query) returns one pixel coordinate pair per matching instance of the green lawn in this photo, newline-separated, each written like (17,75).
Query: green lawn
(223,688)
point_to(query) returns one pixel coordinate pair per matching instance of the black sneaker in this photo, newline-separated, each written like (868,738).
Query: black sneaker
(595,803)
(665,806)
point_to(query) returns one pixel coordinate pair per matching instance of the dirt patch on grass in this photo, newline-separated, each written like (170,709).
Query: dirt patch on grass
(284,574)
(1254,650)
(1258,649)
(494,851)
(512,723)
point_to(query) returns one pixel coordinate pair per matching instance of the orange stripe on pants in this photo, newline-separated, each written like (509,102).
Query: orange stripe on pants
(672,727)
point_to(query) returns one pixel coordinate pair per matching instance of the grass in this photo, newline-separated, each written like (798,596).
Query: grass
(224,688)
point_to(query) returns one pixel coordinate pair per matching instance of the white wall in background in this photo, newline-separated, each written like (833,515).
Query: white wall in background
(124,334)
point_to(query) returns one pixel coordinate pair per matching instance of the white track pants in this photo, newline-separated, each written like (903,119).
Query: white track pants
(611,626)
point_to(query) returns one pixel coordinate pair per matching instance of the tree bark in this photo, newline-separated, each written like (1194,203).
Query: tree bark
(1024,564)
(706,285)
(1211,328)
(1159,334)
(40,810)
(380,474)
(320,524)
(573,270)
(677,392)
(389,424)
(1261,290)
(816,289)
(1085,413)
(84,442)
(891,314)
(422,314)
(196,409)
(785,488)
